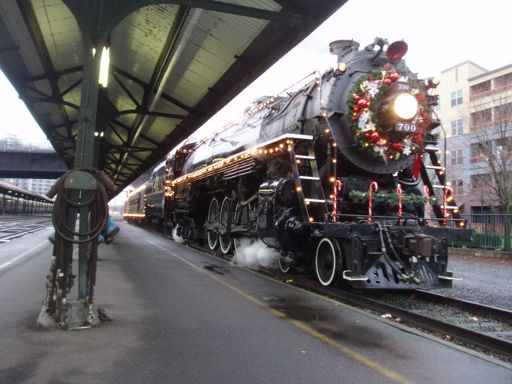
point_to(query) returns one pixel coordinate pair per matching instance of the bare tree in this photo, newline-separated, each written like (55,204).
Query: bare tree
(491,149)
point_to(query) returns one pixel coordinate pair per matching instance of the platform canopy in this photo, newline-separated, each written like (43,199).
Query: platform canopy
(173,65)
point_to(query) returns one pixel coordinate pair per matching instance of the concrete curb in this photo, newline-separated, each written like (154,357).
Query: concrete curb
(480,253)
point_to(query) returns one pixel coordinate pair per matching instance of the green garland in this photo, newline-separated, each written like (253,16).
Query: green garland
(360,197)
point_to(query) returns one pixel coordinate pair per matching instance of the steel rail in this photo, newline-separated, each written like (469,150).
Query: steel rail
(487,342)
(469,306)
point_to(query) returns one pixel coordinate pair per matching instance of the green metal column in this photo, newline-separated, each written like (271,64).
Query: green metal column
(85,147)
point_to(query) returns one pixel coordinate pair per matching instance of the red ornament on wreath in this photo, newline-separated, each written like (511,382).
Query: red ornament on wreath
(397,146)
(375,136)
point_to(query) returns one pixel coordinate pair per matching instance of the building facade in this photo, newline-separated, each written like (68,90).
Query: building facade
(475,108)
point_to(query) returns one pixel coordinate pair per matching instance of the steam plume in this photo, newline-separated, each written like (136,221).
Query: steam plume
(175,236)
(252,254)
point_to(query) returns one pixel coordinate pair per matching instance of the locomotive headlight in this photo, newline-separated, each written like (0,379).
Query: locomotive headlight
(405,106)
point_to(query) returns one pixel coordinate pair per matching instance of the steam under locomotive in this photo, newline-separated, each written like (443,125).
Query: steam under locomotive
(333,175)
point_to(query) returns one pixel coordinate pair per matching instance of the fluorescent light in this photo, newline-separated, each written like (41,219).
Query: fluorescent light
(104,66)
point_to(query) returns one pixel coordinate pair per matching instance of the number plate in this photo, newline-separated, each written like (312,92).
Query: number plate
(406,127)
(401,86)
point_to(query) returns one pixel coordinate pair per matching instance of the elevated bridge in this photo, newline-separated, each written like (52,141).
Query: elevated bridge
(31,165)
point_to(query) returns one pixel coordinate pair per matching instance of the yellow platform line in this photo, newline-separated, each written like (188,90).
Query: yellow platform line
(395,376)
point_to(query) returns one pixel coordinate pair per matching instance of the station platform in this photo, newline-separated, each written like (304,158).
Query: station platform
(181,316)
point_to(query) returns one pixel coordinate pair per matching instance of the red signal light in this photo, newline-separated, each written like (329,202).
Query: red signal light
(396,50)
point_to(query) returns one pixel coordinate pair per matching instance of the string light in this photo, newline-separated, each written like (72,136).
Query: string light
(274,147)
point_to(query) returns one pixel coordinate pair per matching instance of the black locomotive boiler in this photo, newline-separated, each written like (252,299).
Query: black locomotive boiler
(334,176)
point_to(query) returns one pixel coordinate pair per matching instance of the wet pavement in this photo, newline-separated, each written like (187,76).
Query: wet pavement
(181,316)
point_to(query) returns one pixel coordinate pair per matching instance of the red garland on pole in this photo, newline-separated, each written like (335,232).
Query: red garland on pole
(373,187)
(427,196)
(447,191)
(338,185)
(399,192)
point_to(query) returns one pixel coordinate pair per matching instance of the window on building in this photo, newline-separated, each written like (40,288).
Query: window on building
(504,81)
(481,89)
(503,147)
(457,186)
(457,157)
(456,97)
(480,183)
(503,114)
(457,127)
(481,119)
(480,151)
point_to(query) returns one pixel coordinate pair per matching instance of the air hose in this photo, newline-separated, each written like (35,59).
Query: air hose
(71,201)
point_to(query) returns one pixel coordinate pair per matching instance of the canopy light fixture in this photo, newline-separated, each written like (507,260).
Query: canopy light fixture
(104,66)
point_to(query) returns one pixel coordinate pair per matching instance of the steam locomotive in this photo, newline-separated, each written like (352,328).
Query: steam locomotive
(335,176)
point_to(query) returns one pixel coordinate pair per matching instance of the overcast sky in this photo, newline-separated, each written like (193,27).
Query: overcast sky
(440,34)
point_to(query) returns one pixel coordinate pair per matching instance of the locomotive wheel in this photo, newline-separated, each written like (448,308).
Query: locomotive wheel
(213,220)
(328,261)
(225,239)
(284,266)
(237,242)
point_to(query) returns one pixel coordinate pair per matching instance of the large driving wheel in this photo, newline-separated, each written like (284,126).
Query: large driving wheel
(226,242)
(328,261)
(284,265)
(212,223)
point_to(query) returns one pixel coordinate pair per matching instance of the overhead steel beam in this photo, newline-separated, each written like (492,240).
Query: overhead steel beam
(144,85)
(178,34)
(114,11)
(239,10)
(27,12)
(292,6)
(56,73)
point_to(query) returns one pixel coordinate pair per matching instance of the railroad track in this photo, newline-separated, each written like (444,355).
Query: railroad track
(473,324)
(11,228)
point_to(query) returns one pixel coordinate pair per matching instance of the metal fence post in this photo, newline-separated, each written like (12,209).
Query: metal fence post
(506,230)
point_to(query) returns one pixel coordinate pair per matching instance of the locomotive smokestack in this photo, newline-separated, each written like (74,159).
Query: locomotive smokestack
(343,47)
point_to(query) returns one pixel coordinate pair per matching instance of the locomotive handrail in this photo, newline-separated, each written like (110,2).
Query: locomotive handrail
(208,169)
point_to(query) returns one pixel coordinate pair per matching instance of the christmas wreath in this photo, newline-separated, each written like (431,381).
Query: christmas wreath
(380,142)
